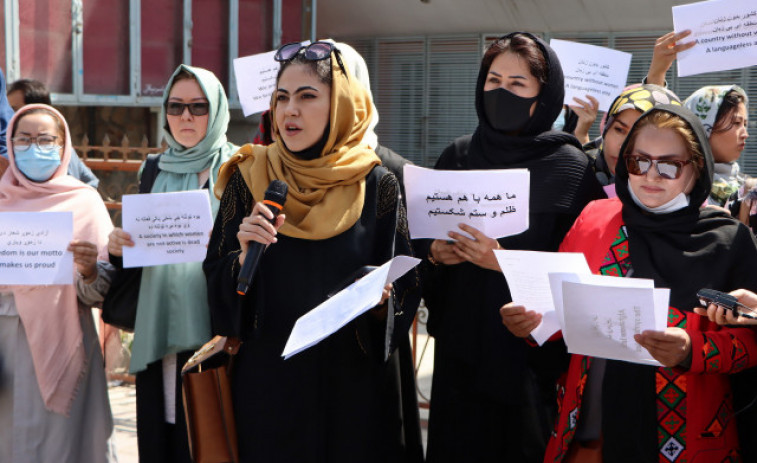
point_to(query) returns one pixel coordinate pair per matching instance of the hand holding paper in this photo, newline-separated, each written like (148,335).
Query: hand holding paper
(166,228)
(601,314)
(345,306)
(591,70)
(495,202)
(34,248)
(725,32)
(669,347)
(520,321)
(527,274)
(598,315)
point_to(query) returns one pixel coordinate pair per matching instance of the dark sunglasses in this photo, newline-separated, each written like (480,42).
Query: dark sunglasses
(667,168)
(174,108)
(316,51)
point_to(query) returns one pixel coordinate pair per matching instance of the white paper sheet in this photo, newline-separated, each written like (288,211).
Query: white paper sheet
(33,248)
(167,228)
(345,306)
(591,70)
(256,80)
(527,274)
(493,201)
(725,32)
(556,279)
(601,320)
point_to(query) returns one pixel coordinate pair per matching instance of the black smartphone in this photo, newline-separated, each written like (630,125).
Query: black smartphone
(354,276)
(724,300)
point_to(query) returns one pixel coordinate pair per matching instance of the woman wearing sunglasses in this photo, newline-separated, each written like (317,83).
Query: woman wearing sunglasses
(682,411)
(624,110)
(53,392)
(490,401)
(337,401)
(172,312)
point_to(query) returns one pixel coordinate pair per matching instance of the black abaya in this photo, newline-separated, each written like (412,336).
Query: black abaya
(338,401)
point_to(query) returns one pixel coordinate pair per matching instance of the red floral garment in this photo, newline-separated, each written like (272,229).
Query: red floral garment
(695,416)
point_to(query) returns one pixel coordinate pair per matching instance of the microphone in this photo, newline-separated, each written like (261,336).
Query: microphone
(275,196)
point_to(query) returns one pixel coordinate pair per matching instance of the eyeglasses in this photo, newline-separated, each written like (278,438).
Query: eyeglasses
(174,108)
(316,51)
(667,168)
(46,143)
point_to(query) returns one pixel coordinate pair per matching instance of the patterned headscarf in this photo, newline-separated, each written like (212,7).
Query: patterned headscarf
(641,97)
(706,101)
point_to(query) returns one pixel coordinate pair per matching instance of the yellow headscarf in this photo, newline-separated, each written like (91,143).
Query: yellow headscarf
(326,194)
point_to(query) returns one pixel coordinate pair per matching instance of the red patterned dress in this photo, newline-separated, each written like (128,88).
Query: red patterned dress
(694,406)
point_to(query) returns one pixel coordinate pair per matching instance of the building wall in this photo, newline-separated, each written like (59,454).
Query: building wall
(424,86)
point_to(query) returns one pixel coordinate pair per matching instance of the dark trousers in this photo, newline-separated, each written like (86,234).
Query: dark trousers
(159,441)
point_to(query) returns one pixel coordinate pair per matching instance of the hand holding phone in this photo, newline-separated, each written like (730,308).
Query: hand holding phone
(726,301)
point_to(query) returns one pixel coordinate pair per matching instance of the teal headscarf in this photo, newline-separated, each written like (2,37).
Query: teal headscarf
(172,311)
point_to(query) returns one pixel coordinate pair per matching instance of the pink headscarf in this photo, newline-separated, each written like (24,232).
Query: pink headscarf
(50,313)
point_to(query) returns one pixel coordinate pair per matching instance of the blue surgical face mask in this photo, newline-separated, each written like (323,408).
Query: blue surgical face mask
(560,121)
(37,165)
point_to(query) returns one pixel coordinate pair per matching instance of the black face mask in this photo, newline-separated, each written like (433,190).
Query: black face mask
(506,111)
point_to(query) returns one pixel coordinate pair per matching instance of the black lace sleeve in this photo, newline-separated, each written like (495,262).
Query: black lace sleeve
(221,264)
(392,217)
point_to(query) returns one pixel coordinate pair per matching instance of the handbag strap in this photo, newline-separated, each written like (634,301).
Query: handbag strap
(149,173)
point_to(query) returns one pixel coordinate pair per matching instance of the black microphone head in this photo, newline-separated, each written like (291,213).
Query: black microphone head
(277,192)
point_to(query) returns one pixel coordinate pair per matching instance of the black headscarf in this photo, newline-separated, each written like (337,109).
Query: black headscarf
(553,157)
(684,250)
(679,249)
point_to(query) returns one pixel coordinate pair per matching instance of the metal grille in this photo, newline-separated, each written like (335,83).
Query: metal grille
(453,65)
(424,87)
(400,96)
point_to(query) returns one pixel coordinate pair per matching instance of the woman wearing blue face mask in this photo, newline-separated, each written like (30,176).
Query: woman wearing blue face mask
(491,399)
(53,393)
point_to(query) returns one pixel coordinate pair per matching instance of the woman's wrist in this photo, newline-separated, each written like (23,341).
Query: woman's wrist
(430,256)
(88,279)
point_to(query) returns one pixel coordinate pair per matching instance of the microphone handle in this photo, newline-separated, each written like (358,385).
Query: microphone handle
(254,253)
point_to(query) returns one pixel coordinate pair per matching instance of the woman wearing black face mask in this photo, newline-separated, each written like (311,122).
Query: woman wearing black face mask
(492,399)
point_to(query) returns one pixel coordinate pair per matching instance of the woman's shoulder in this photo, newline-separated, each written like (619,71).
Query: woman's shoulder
(382,179)
(598,221)
(454,156)
(602,208)
(598,215)
(570,153)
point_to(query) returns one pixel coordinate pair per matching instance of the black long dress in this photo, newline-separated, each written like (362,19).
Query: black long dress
(492,397)
(338,401)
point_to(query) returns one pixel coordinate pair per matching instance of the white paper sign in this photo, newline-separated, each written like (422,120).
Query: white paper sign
(601,319)
(345,306)
(256,80)
(33,248)
(167,228)
(591,70)
(527,274)
(493,201)
(725,32)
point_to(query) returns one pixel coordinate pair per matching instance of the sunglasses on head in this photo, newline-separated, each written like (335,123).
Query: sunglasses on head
(667,168)
(316,51)
(175,108)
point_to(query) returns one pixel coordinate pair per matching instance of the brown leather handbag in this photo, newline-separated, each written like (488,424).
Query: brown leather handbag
(206,391)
